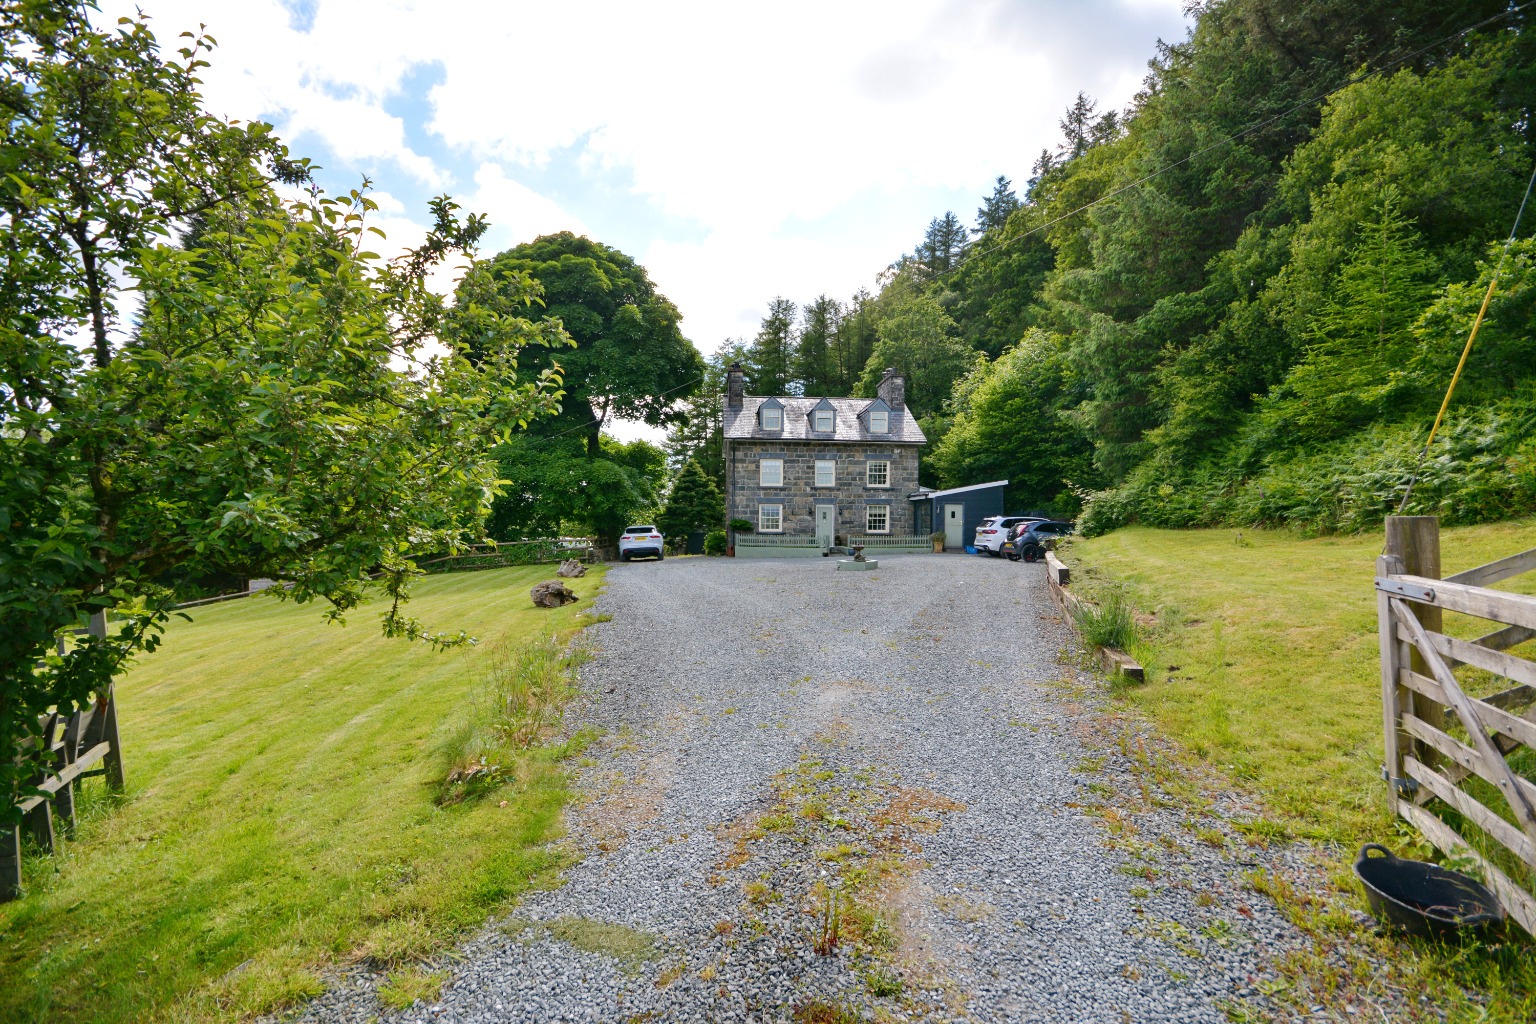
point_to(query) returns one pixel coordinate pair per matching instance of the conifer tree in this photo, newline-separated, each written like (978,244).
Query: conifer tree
(943,245)
(769,362)
(1362,337)
(694,504)
(996,208)
(813,367)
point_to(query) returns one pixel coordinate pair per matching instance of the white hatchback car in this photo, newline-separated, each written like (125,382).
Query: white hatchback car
(641,542)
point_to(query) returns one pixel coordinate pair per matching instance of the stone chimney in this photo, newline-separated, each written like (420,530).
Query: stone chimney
(893,389)
(735,386)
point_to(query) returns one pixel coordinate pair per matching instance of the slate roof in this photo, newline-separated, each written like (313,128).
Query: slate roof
(741,424)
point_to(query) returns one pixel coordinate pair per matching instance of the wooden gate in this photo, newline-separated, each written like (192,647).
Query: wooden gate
(1446,749)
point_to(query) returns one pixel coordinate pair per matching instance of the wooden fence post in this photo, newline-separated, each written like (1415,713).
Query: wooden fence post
(1415,540)
(1392,692)
(10,862)
(106,710)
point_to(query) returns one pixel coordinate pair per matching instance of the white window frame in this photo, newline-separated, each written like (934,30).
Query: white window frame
(831,481)
(869,511)
(885,472)
(884,421)
(762,472)
(776,413)
(816,421)
(778,518)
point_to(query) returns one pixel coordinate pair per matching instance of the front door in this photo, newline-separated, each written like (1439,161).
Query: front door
(826,519)
(954,526)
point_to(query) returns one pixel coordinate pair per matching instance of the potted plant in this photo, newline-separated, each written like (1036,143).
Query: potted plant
(937,536)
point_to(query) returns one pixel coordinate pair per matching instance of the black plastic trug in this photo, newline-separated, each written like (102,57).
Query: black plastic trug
(1424,899)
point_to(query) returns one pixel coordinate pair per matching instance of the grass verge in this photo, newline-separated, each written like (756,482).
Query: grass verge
(1261,652)
(284,813)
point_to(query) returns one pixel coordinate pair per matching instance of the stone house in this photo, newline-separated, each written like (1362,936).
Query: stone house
(821,468)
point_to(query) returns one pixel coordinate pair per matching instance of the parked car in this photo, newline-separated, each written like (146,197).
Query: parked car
(1029,539)
(993,531)
(641,542)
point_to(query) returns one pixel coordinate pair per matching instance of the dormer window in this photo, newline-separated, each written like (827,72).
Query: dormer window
(822,419)
(770,416)
(879,421)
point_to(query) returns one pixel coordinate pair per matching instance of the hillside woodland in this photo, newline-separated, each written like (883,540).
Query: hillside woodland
(1237,301)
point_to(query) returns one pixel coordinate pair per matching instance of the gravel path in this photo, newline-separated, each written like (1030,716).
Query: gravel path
(903,748)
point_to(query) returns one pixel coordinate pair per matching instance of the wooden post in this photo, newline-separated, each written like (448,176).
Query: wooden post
(1415,540)
(106,710)
(1392,693)
(10,862)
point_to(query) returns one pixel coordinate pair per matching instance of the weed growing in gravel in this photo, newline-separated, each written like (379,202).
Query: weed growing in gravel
(818,1012)
(883,983)
(403,988)
(829,920)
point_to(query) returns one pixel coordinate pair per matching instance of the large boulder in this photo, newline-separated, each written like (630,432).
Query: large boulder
(551,594)
(570,569)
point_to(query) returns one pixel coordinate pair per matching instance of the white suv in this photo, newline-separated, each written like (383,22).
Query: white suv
(640,542)
(993,531)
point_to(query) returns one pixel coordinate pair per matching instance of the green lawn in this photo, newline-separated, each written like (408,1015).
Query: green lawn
(1262,662)
(281,813)
(1263,659)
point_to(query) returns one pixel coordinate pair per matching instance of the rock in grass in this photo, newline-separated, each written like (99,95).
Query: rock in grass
(570,568)
(551,594)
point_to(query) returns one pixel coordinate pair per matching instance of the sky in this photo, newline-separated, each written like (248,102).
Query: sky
(739,152)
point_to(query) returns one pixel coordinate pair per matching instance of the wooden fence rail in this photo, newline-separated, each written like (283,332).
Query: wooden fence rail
(70,748)
(1438,738)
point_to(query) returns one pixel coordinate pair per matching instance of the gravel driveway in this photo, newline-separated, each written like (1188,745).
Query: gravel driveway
(894,765)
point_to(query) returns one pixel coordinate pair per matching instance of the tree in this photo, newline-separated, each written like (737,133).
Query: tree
(1077,127)
(770,357)
(813,364)
(916,337)
(943,245)
(694,504)
(1362,338)
(698,436)
(996,208)
(1013,426)
(276,412)
(631,360)
(852,344)
(552,486)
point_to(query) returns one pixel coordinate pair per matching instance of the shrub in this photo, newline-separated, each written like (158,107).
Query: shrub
(714,543)
(741,525)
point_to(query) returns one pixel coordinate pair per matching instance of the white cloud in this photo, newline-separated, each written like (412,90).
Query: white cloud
(788,141)
(516,212)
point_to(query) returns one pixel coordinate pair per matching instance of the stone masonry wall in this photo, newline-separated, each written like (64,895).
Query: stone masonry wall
(799,495)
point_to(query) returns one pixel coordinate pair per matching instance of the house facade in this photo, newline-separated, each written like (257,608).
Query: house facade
(821,468)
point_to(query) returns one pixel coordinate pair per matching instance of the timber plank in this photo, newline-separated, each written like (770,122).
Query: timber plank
(1458,751)
(1518,903)
(1507,665)
(1519,729)
(1494,605)
(1493,572)
(1516,841)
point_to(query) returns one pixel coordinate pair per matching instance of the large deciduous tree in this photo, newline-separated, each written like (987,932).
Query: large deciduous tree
(631,360)
(274,412)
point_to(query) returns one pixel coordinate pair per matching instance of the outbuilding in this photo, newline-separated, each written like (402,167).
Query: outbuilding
(958,510)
